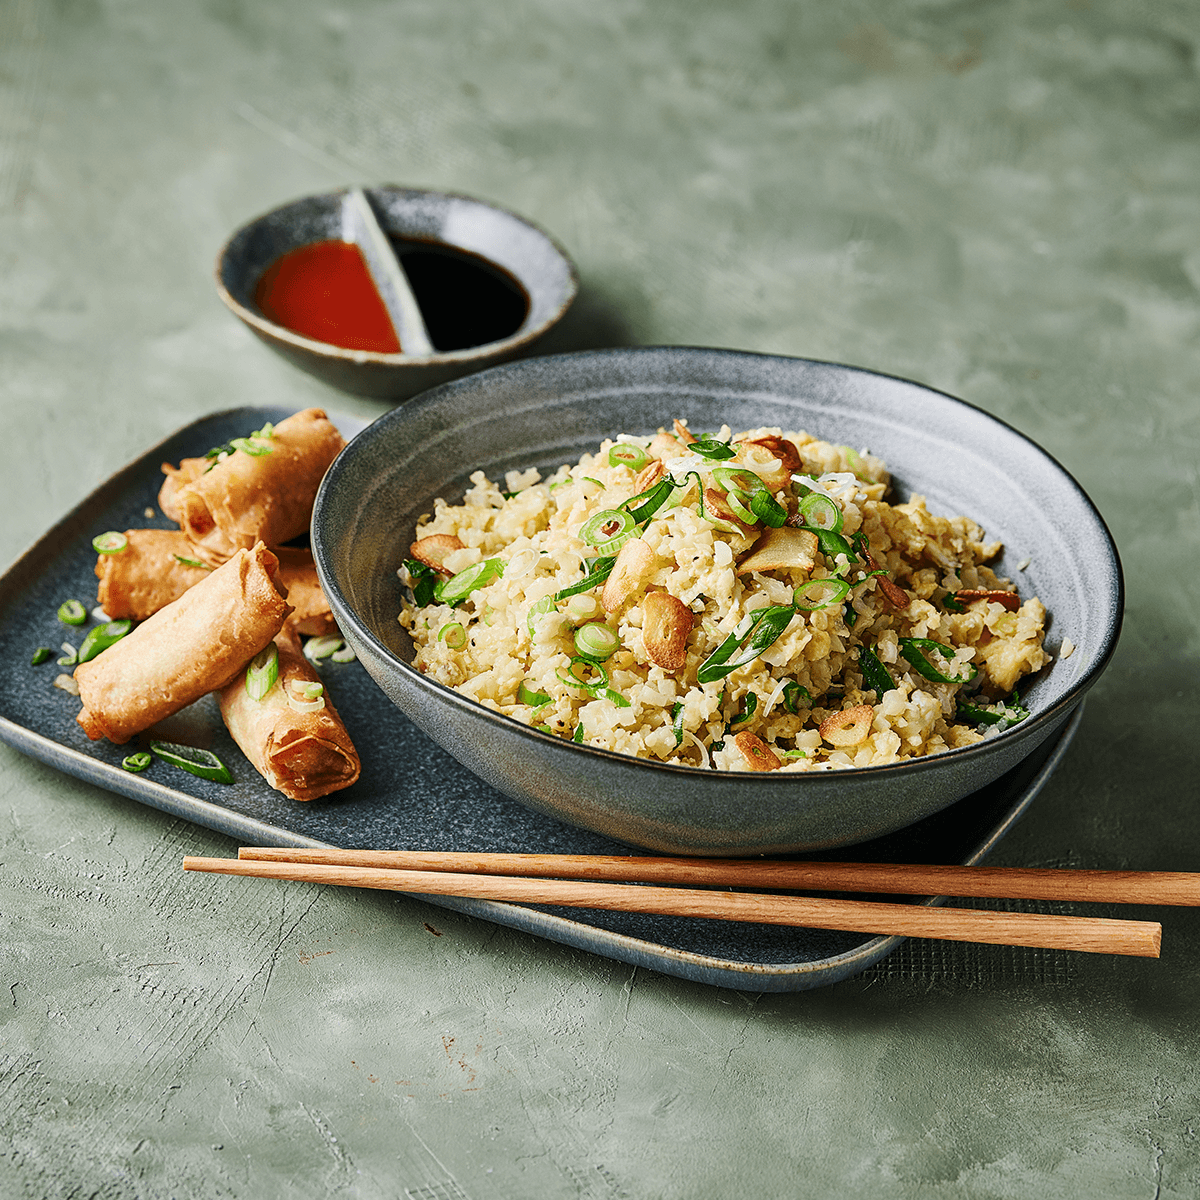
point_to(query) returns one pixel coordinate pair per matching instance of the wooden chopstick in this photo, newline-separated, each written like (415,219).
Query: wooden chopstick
(1012,883)
(1093,934)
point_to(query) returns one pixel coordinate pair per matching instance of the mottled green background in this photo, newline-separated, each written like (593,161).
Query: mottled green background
(999,199)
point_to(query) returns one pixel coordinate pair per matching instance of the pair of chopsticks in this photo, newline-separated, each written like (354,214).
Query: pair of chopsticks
(605,881)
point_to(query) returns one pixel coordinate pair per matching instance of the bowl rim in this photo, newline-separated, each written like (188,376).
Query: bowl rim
(484,352)
(1040,724)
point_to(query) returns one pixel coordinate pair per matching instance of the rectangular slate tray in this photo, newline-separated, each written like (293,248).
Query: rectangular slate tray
(412,795)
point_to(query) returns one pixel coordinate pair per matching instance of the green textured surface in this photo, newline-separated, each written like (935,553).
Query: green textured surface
(1000,200)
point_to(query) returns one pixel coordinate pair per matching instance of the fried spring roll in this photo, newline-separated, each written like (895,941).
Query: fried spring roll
(155,568)
(265,496)
(310,609)
(193,646)
(177,477)
(304,755)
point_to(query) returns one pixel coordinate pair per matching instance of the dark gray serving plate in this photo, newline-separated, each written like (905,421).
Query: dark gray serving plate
(412,794)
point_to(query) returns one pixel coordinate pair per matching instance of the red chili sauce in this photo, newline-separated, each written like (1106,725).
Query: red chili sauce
(324,291)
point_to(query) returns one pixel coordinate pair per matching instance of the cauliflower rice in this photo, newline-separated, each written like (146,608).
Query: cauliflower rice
(747,618)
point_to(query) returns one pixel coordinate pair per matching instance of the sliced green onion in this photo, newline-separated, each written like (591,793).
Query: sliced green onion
(951,604)
(459,586)
(654,499)
(767,509)
(526,695)
(582,608)
(597,687)
(756,633)
(262,672)
(109,543)
(577,736)
(40,655)
(596,642)
(917,650)
(424,581)
(832,544)
(625,455)
(734,500)
(70,655)
(793,691)
(100,637)
(540,608)
(136,762)
(1001,714)
(304,695)
(849,616)
(608,530)
(785,754)
(318,648)
(819,593)
(749,705)
(677,721)
(707,446)
(188,758)
(344,655)
(191,562)
(875,674)
(737,479)
(599,569)
(71,612)
(597,482)
(821,511)
(453,634)
(249,446)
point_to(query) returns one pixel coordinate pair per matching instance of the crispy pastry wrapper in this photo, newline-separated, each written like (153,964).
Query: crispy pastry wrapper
(266,497)
(304,755)
(177,477)
(148,574)
(194,645)
(310,610)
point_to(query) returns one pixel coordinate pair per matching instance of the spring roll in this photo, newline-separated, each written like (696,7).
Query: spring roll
(310,609)
(177,477)
(265,495)
(304,755)
(193,646)
(155,568)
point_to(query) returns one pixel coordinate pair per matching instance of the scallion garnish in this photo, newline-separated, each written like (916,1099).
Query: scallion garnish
(1000,714)
(597,687)
(40,655)
(262,672)
(191,562)
(677,721)
(109,543)
(737,479)
(424,581)
(596,642)
(652,500)
(344,655)
(453,634)
(832,544)
(748,708)
(599,569)
(582,608)
(101,637)
(917,651)
(951,604)
(71,612)
(754,634)
(459,586)
(608,530)
(707,446)
(577,736)
(538,609)
(767,509)
(249,446)
(785,754)
(875,674)
(793,691)
(625,455)
(136,762)
(819,593)
(820,511)
(304,695)
(203,763)
(70,655)
(526,695)
(597,482)
(318,648)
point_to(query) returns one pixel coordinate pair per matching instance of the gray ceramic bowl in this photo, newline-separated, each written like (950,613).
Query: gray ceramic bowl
(545,412)
(527,254)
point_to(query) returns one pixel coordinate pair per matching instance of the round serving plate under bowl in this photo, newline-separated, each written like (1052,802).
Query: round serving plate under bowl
(546,412)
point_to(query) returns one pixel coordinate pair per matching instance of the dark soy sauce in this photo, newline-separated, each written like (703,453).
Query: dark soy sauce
(466,301)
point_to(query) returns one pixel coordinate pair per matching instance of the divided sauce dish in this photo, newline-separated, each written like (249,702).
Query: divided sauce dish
(546,412)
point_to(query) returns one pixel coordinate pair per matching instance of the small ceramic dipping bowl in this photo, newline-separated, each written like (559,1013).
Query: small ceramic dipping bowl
(545,412)
(462,261)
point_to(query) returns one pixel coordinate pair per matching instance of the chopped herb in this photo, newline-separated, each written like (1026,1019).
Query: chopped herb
(625,455)
(203,763)
(191,562)
(756,633)
(109,543)
(917,651)
(748,707)
(41,654)
(136,762)
(424,581)
(875,674)
(707,446)
(459,586)
(793,691)
(100,637)
(262,672)
(677,721)
(526,695)
(71,612)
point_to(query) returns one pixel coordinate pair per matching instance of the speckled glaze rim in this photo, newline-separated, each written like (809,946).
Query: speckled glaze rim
(1038,726)
(525,336)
